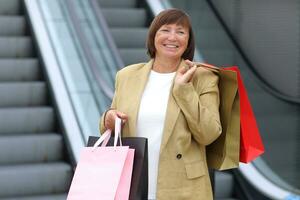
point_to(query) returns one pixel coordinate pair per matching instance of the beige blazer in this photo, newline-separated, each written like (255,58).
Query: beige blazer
(192,121)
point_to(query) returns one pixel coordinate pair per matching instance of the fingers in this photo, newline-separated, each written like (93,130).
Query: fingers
(183,70)
(122,116)
(189,63)
(185,74)
(189,74)
(110,117)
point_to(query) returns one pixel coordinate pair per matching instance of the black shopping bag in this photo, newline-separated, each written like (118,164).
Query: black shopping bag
(139,181)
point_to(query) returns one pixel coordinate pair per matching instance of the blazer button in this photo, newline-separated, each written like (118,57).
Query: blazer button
(178,156)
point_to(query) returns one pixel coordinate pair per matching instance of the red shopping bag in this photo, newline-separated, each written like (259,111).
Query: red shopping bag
(251,145)
(103,172)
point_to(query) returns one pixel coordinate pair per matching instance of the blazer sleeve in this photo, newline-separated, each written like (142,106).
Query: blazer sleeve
(113,106)
(201,108)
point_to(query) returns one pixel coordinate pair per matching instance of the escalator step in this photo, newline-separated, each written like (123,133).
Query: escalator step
(34,179)
(14,94)
(14,25)
(117,3)
(118,17)
(22,69)
(31,148)
(43,197)
(16,47)
(10,7)
(131,56)
(27,120)
(130,37)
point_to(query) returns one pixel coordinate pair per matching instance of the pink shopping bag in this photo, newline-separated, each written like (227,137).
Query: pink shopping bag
(103,172)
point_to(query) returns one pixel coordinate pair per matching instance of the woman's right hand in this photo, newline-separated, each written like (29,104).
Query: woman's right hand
(109,121)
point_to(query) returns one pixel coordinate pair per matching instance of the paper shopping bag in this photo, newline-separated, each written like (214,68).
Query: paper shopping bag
(103,172)
(139,181)
(240,139)
(223,153)
(251,145)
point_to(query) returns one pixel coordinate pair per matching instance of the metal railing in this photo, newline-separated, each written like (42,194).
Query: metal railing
(92,63)
(102,23)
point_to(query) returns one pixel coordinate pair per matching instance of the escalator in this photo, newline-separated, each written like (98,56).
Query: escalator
(34,163)
(128,23)
(110,35)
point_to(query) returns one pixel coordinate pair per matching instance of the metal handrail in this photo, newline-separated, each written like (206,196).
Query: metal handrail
(87,51)
(102,23)
(257,76)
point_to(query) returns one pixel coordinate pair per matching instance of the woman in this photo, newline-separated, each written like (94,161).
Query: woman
(172,103)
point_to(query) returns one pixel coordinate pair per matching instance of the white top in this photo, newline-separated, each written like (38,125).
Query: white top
(151,118)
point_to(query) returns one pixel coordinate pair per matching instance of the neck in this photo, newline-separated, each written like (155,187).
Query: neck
(163,65)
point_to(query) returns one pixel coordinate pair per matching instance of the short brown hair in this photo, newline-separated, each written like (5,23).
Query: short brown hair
(171,16)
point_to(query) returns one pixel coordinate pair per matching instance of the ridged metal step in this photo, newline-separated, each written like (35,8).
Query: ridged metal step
(15,94)
(134,55)
(14,25)
(16,47)
(32,152)
(117,3)
(38,197)
(10,7)
(31,148)
(27,120)
(125,17)
(123,37)
(34,179)
(21,69)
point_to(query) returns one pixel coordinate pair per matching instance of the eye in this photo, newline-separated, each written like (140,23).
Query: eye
(181,32)
(164,30)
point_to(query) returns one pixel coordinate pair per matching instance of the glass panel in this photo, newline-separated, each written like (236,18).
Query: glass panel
(88,100)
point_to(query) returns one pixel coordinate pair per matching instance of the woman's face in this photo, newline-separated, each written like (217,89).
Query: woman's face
(171,41)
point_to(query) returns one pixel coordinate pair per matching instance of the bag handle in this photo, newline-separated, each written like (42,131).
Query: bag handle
(118,123)
(104,138)
(208,66)
(107,134)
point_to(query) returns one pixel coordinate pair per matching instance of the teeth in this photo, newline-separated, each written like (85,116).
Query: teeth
(171,46)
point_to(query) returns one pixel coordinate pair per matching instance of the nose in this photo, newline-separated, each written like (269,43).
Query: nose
(172,35)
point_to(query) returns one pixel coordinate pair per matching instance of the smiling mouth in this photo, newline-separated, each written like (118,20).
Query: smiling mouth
(171,45)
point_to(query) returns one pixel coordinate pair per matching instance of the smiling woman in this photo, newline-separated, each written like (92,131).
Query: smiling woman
(171,38)
(176,107)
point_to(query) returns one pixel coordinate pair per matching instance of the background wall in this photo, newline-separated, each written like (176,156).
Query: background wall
(269,32)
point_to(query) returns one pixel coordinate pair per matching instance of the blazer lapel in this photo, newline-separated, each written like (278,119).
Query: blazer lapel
(171,114)
(136,87)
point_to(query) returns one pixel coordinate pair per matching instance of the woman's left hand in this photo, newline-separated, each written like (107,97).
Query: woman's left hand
(185,74)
